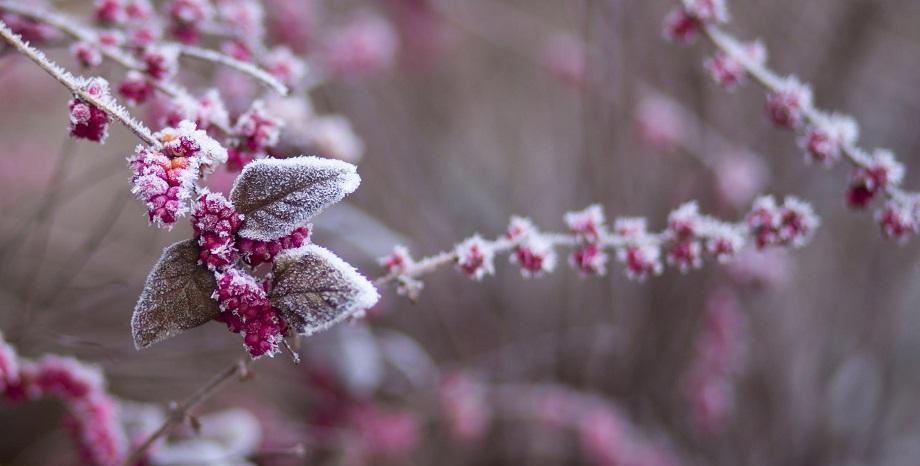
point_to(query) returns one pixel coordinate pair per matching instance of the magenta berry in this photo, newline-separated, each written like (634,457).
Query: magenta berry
(256,252)
(786,105)
(86,120)
(474,257)
(216,222)
(680,27)
(258,129)
(880,172)
(246,310)
(135,88)
(397,261)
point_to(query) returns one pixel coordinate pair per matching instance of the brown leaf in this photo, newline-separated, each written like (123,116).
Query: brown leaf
(279,195)
(315,290)
(176,297)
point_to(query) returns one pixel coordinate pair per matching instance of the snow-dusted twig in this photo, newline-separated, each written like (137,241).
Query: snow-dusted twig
(826,137)
(75,85)
(688,239)
(86,35)
(179,413)
(247,68)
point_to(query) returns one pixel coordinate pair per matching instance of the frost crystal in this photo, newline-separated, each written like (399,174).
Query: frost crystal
(314,289)
(279,195)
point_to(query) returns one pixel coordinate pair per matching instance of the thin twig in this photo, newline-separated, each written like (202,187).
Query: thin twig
(180,412)
(247,68)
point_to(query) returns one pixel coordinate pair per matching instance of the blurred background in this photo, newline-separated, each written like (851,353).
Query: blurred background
(470,112)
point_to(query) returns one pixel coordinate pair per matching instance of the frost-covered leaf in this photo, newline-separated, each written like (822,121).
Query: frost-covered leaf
(279,195)
(315,290)
(176,297)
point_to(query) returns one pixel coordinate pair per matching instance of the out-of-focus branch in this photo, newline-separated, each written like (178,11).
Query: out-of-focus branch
(180,412)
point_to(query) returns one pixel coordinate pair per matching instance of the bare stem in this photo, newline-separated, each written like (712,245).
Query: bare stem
(180,412)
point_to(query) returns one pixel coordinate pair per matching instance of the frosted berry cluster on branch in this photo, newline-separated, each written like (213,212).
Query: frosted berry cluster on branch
(213,276)
(689,238)
(134,39)
(825,137)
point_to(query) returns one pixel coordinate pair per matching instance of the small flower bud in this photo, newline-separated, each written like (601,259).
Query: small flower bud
(729,72)
(680,27)
(786,105)
(587,224)
(86,54)
(258,129)
(824,142)
(589,259)
(898,220)
(135,88)
(397,261)
(475,257)
(161,62)
(880,172)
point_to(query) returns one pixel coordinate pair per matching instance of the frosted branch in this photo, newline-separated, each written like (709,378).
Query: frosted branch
(108,105)
(688,239)
(247,68)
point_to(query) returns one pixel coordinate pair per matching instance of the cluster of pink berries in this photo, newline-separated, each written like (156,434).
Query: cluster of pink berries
(247,310)
(825,138)
(791,224)
(216,223)
(86,120)
(690,237)
(256,252)
(92,414)
(244,303)
(165,178)
(187,16)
